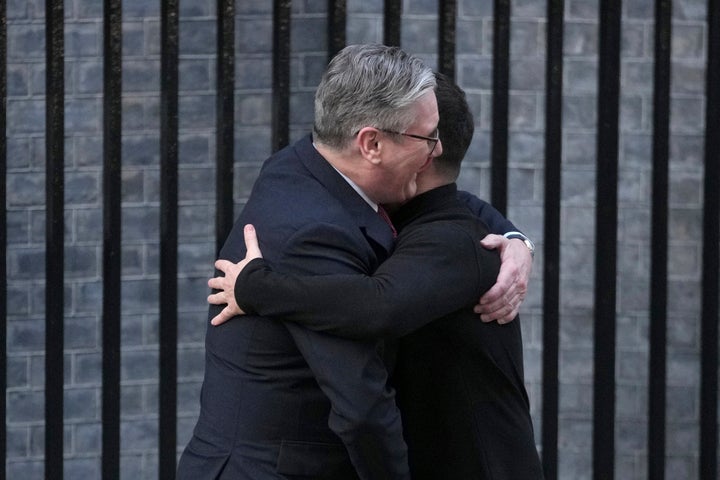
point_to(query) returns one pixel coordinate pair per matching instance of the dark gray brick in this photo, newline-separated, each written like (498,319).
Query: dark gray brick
(131,400)
(89,76)
(82,332)
(138,435)
(87,368)
(580,75)
(253,109)
(18,300)
(83,115)
(25,189)
(18,81)
(475,7)
(28,42)
(413,35)
(198,36)
(476,74)
(88,297)
(194,149)
(254,7)
(202,107)
(196,8)
(88,151)
(196,258)
(364,30)
(579,112)
(301,109)
(131,467)
(192,292)
(82,468)
(17,9)
(139,365)
(139,295)
(88,224)
(30,469)
(37,370)
(83,39)
(254,35)
(82,261)
(631,435)
(196,184)
(191,325)
(17,372)
(89,9)
(303,33)
(136,221)
(140,9)
(24,335)
(25,406)
(580,39)
(18,442)
(253,73)
(191,363)
(81,404)
(252,146)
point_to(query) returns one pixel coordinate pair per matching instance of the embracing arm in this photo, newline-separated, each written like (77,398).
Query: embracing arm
(398,298)
(502,301)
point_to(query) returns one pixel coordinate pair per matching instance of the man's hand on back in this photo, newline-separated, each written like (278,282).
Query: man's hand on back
(502,302)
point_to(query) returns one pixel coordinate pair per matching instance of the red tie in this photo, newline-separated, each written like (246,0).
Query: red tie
(383,213)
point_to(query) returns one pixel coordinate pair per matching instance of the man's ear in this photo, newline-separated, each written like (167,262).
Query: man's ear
(368,140)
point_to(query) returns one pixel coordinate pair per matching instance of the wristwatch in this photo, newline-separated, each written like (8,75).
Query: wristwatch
(528,243)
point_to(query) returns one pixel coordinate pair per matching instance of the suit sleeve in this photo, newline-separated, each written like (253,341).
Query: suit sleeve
(352,374)
(400,297)
(494,220)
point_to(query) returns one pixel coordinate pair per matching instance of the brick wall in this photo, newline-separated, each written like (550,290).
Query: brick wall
(140,203)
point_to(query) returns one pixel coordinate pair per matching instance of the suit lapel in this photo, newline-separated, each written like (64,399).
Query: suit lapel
(367,219)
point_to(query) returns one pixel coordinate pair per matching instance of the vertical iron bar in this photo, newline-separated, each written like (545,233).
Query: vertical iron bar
(501,73)
(112,224)
(337,23)
(659,246)
(55,237)
(711,256)
(168,237)
(392,22)
(551,252)
(225,137)
(3,234)
(281,74)
(447,36)
(606,242)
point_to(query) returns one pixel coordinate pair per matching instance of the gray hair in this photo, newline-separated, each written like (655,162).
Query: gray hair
(368,85)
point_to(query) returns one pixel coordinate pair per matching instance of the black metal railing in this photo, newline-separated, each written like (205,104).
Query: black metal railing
(604,386)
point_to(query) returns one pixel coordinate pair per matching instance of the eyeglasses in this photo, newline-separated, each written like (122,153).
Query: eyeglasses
(431,141)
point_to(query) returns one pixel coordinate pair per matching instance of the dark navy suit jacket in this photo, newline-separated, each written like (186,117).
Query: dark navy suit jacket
(279,400)
(460,382)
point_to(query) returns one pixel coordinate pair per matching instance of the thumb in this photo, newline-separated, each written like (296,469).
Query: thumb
(251,242)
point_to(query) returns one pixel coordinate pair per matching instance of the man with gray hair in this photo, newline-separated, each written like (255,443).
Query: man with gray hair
(280,401)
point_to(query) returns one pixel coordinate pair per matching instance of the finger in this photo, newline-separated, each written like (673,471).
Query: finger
(223,265)
(251,242)
(221,317)
(216,283)
(492,241)
(494,296)
(502,311)
(510,316)
(216,299)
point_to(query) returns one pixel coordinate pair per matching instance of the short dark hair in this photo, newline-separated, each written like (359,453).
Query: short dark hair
(456,126)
